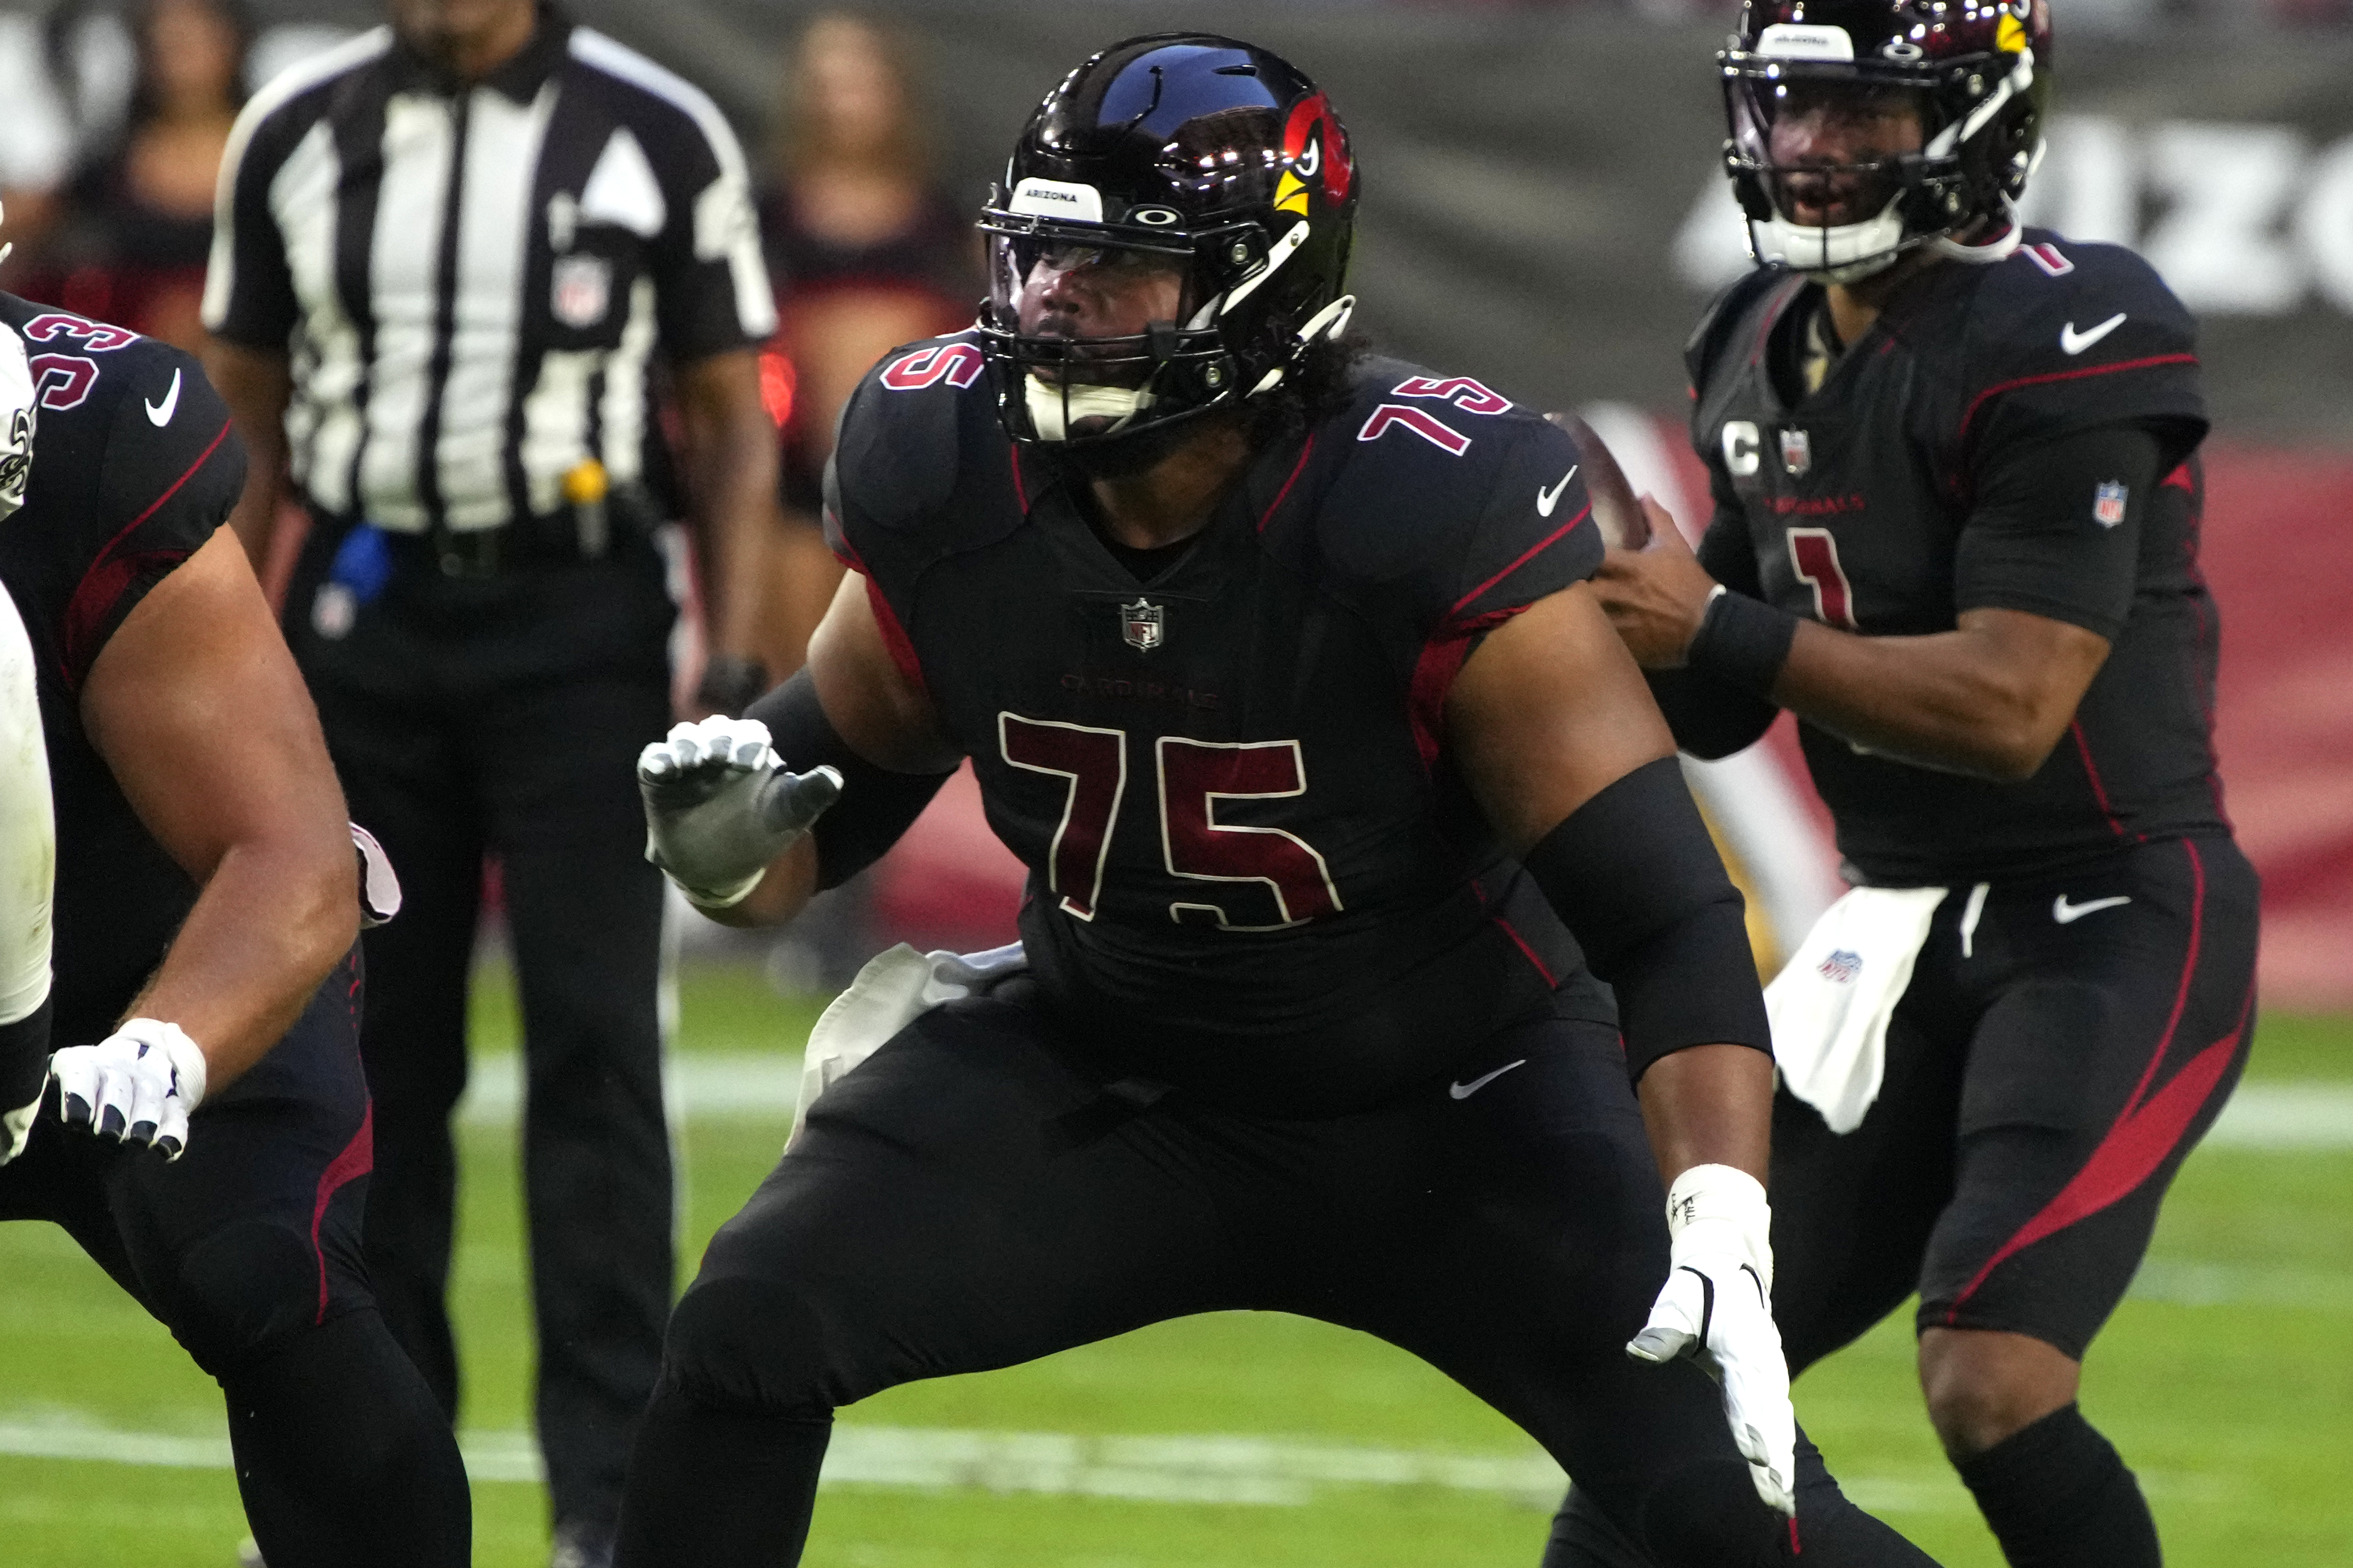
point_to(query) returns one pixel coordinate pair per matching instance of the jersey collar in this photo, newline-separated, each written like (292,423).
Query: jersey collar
(519,79)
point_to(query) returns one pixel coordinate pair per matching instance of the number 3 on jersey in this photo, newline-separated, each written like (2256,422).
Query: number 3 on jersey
(1192,778)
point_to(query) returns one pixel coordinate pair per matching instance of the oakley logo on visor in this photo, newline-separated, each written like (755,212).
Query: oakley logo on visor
(1157,217)
(1057,198)
(1790,41)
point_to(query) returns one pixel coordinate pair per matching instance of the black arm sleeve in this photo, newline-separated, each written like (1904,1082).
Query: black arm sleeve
(876,806)
(24,1061)
(1634,876)
(1710,717)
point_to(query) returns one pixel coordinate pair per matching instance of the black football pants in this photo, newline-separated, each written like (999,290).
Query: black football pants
(540,773)
(973,1196)
(247,1248)
(2066,1041)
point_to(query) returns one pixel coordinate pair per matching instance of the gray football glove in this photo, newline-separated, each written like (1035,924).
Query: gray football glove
(719,806)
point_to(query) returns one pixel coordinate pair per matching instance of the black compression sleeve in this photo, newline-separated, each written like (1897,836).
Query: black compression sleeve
(876,806)
(1710,717)
(24,1058)
(1636,879)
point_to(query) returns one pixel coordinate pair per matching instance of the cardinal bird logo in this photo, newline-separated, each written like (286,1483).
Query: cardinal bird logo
(1316,150)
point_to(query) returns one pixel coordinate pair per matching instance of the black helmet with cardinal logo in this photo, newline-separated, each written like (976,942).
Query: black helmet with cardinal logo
(1211,161)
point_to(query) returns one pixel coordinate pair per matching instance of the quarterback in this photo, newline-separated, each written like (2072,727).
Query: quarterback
(1278,666)
(1956,531)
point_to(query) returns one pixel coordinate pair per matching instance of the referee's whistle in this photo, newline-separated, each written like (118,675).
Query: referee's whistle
(584,487)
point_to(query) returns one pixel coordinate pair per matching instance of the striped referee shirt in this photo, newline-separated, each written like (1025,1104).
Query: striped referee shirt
(470,281)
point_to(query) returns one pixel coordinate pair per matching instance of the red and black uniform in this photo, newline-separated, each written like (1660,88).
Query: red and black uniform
(1298,1036)
(1230,772)
(247,1247)
(2018,436)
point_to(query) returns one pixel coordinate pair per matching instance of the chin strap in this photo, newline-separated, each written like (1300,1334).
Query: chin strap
(2002,247)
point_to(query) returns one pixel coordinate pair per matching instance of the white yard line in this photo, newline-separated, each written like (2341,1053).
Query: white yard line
(2283,1115)
(2286,1113)
(1214,1469)
(1262,1471)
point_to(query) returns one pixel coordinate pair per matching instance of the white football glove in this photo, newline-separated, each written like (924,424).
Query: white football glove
(1718,1308)
(719,806)
(139,1083)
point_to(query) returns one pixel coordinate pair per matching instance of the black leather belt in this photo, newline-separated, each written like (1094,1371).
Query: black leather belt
(563,537)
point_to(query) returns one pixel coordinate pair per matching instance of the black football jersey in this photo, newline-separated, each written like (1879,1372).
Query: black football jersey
(1858,506)
(135,465)
(1251,867)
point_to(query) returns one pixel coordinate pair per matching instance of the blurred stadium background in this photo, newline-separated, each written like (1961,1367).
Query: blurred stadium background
(1543,213)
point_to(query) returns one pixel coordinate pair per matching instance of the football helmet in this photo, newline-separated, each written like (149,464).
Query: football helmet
(1190,155)
(1980,73)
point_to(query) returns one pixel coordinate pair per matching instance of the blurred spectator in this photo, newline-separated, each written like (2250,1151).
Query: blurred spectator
(868,251)
(137,227)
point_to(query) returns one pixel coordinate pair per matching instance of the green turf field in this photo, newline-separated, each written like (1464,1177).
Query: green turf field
(2228,1381)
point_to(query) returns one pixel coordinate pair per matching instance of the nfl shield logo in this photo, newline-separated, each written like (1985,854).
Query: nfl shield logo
(1796,451)
(1141,626)
(1840,967)
(2108,503)
(582,290)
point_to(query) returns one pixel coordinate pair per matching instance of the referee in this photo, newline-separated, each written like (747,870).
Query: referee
(455,261)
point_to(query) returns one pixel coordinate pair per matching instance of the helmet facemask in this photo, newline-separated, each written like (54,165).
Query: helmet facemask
(1050,297)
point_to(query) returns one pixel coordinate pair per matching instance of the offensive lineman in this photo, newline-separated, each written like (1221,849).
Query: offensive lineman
(1956,531)
(1278,670)
(208,1135)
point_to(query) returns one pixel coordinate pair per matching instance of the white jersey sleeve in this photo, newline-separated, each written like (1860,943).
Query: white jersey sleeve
(27,830)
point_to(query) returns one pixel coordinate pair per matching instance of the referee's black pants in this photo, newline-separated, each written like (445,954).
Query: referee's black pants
(975,1196)
(503,716)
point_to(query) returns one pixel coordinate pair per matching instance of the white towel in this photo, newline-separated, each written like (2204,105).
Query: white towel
(895,988)
(1830,1004)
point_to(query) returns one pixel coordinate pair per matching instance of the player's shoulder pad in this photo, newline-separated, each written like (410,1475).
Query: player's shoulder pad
(1719,322)
(88,376)
(917,427)
(2059,307)
(1423,459)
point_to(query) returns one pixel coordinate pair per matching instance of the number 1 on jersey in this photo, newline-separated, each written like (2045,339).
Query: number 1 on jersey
(1813,552)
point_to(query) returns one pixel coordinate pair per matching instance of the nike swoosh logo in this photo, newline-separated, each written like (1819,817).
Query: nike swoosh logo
(1548,500)
(1465,1091)
(2074,343)
(2066,913)
(159,418)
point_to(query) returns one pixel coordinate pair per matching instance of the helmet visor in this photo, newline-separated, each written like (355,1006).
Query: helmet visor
(1086,312)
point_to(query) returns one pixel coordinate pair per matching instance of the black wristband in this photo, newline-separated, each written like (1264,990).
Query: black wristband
(1634,876)
(1742,642)
(876,806)
(24,1059)
(730,683)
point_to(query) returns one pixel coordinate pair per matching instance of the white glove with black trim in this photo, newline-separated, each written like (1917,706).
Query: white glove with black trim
(139,1083)
(1718,1308)
(719,806)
